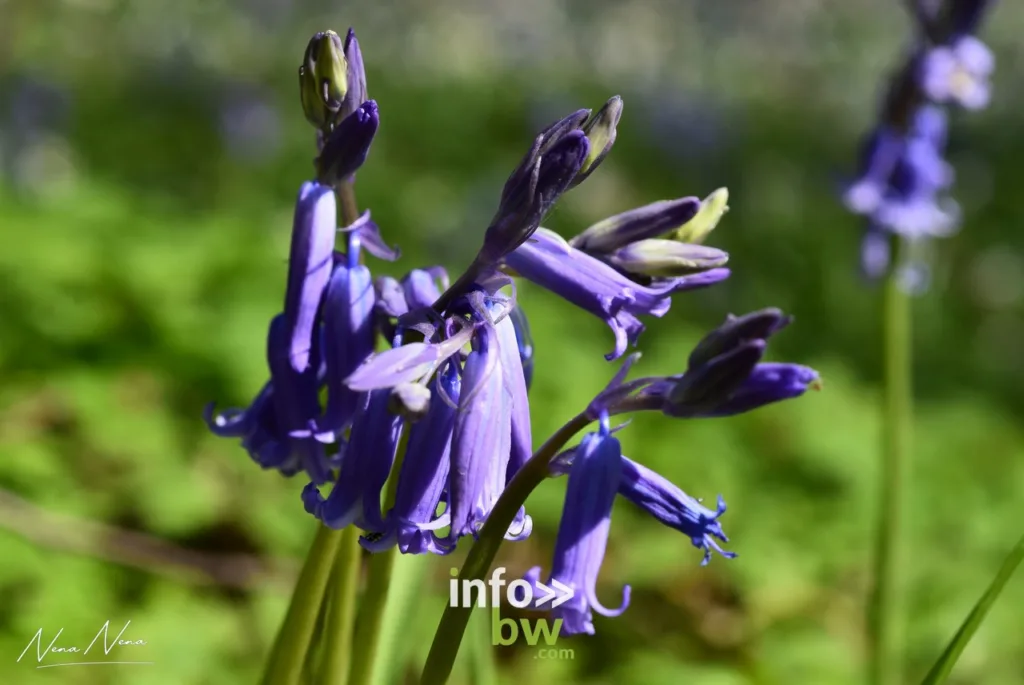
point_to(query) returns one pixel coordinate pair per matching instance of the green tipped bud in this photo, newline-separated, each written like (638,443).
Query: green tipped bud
(712,208)
(323,78)
(600,131)
(666,258)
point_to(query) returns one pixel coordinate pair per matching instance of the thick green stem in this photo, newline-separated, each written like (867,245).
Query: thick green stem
(450,630)
(341,612)
(887,607)
(296,633)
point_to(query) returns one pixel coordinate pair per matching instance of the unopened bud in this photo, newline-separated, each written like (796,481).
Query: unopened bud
(600,131)
(649,221)
(711,211)
(323,78)
(666,258)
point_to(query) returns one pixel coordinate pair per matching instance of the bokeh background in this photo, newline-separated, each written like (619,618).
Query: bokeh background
(150,153)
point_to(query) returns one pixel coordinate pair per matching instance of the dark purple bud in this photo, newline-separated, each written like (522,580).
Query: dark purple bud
(347,145)
(706,386)
(735,331)
(768,383)
(309,267)
(649,221)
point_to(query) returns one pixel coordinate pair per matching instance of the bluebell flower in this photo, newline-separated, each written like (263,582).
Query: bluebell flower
(903,175)
(594,480)
(674,508)
(412,523)
(366,461)
(348,339)
(482,439)
(275,429)
(309,267)
(590,284)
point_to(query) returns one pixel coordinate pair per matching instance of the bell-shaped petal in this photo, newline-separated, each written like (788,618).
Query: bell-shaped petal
(407,363)
(309,267)
(365,466)
(674,508)
(598,288)
(348,339)
(594,481)
(481,438)
(260,431)
(296,402)
(660,258)
(413,522)
(347,145)
(649,221)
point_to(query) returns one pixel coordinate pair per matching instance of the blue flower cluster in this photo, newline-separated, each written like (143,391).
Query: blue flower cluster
(444,407)
(903,177)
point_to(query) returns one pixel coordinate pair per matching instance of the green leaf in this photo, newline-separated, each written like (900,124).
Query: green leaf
(944,665)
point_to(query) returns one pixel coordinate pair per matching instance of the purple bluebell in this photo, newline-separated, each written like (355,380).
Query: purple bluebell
(366,462)
(481,440)
(674,508)
(413,522)
(590,284)
(309,267)
(521,446)
(348,339)
(594,480)
(347,146)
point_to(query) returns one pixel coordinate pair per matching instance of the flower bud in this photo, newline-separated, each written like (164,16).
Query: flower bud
(600,131)
(650,221)
(711,211)
(323,78)
(735,331)
(347,145)
(666,258)
(356,77)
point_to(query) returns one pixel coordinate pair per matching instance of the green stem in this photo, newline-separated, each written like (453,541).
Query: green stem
(296,633)
(450,630)
(344,589)
(371,613)
(888,613)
